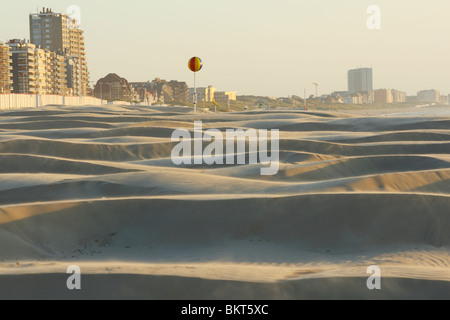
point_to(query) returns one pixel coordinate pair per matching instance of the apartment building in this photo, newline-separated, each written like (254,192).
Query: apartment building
(360,80)
(383,96)
(206,94)
(431,96)
(6,85)
(359,98)
(27,67)
(398,96)
(180,91)
(57,70)
(225,96)
(36,70)
(160,90)
(389,96)
(58,33)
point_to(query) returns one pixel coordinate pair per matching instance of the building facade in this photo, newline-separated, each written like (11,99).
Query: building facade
(351,100)
(59,33)
(36,70)
(58,74)
(28,67)
(114,88)
(383,96)
(206,94)
(389,96)
(359,98)
(145,96)
(162,91)
(360,80)
(398,96)
(431,96)
(225,96)
(74,77)
(180,91)
(6,83)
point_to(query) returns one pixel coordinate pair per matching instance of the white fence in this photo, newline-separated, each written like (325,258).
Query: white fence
(18,101)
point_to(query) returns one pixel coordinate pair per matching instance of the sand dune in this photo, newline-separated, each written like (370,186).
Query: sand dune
(96,187)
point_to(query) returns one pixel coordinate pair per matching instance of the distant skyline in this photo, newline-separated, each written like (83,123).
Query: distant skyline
(259,47)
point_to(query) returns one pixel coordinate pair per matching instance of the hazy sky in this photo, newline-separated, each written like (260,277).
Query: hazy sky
(260,47)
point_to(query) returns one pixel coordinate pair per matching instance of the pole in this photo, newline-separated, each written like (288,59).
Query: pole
(195,93)
(305,99)
(229,110)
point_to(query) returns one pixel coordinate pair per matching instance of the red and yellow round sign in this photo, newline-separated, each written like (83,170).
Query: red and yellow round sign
(195,64)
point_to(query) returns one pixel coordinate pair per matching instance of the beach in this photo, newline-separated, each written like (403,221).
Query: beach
(96,187)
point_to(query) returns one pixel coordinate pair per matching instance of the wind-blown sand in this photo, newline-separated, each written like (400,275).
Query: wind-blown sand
(96,187)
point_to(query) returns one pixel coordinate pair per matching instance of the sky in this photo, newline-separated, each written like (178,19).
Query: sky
(259,47)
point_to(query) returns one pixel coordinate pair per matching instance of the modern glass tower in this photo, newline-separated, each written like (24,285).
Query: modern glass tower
(360,80)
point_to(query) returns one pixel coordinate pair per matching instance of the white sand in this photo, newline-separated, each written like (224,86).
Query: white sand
(96,187)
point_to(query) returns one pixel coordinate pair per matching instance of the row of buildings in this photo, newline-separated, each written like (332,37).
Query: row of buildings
(424,96)
(162,91)
(114,87)
(210,94)
(389,96)
(53,61)
(361,91)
